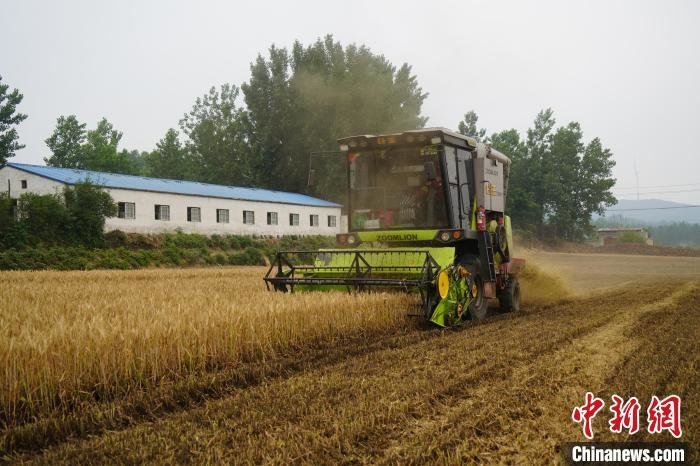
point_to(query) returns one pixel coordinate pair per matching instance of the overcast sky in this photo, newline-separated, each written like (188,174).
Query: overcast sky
(629,72)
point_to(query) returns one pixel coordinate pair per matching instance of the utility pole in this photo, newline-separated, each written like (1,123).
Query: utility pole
(636,174)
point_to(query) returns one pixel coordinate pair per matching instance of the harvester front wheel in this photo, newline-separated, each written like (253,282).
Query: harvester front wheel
(509,297)
(479,304)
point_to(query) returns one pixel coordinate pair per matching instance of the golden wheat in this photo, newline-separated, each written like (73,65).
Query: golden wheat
(71,337)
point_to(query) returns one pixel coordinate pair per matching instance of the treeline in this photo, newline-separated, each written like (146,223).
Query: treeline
(558,181)
(262,133)
(285,119)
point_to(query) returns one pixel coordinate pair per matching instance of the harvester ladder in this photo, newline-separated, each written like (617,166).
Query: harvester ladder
(488,246)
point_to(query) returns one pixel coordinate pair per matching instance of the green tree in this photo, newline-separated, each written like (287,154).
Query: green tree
(9,119)
(217,142)
(97,149)
(66,143)
(44,217)
(303,101)
(87,206)
(522,206)
(557,182)
(170,159)
(468,127)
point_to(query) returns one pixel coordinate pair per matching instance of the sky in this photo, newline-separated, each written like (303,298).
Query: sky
(627,71)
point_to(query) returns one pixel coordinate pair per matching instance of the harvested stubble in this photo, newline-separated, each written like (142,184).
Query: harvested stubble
(68,339)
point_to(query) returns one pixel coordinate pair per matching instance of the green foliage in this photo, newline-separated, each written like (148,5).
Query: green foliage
(9,119)
(132,251)
(216,128)
(677,234)
(76,217)
(468,127)
(44,218)
(557,181)
(66,143)
(170,159)
(97,149)
(12,232)
(87,206)
(630,237)
(301,102)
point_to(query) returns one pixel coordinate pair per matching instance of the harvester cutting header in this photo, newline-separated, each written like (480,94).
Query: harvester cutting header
(426,213)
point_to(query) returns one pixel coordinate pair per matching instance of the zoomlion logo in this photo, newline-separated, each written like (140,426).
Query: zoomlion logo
(398,237)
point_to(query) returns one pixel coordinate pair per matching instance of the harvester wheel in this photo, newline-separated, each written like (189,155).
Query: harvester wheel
(509,297)
(479,303)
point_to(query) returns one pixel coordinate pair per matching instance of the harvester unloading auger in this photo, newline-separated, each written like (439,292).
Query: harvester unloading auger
(434,200)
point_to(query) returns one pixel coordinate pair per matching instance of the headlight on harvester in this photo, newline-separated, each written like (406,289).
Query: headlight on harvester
(446,236)
(352,240)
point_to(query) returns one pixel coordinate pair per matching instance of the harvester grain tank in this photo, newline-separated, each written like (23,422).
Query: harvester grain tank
(426,214)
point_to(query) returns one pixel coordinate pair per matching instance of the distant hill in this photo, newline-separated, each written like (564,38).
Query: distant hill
(663,211)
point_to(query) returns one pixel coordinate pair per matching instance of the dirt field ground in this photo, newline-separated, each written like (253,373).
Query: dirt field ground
(589,272)
(499,391)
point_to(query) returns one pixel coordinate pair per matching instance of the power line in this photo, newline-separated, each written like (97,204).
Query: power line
(657,186)
(663,192)
(655,208)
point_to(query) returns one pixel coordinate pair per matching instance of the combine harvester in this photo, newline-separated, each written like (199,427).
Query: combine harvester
(426,214)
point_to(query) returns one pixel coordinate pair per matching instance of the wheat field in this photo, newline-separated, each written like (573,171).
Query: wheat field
(132,363)
(71,338)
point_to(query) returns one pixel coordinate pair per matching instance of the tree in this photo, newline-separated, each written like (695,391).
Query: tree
(9,119)
(87,206)
(521,203)
(468,127)
(66,143)
(217,129)
(170,159)
(556,181)
(303,101)
(43,217)
(97,149)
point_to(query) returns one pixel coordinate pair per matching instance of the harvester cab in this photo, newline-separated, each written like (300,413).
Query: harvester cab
(426,213)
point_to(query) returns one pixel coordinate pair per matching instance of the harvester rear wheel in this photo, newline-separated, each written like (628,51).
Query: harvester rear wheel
(509,297)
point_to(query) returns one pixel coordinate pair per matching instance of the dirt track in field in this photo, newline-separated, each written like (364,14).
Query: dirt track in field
(501,390)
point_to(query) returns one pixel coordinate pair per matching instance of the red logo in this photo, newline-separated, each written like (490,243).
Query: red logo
(665,415)
(661,415)
(587,412)
(624,415)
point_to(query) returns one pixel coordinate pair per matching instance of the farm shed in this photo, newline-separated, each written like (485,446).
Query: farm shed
(155,205)
(612,235)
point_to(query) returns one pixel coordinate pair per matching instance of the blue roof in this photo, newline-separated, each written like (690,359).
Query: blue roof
(193,188)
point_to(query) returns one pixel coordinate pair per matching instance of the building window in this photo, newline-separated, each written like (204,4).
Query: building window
(222,215)
(126,210)
(272,218)
(249,217)
(331,221)
(194,214)
(162,212)
(294,220)
(313,220)
(23,183)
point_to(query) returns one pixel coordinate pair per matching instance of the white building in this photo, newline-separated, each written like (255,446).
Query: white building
(153,205)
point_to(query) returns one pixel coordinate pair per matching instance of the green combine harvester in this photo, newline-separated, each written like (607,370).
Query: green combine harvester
(426,214)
